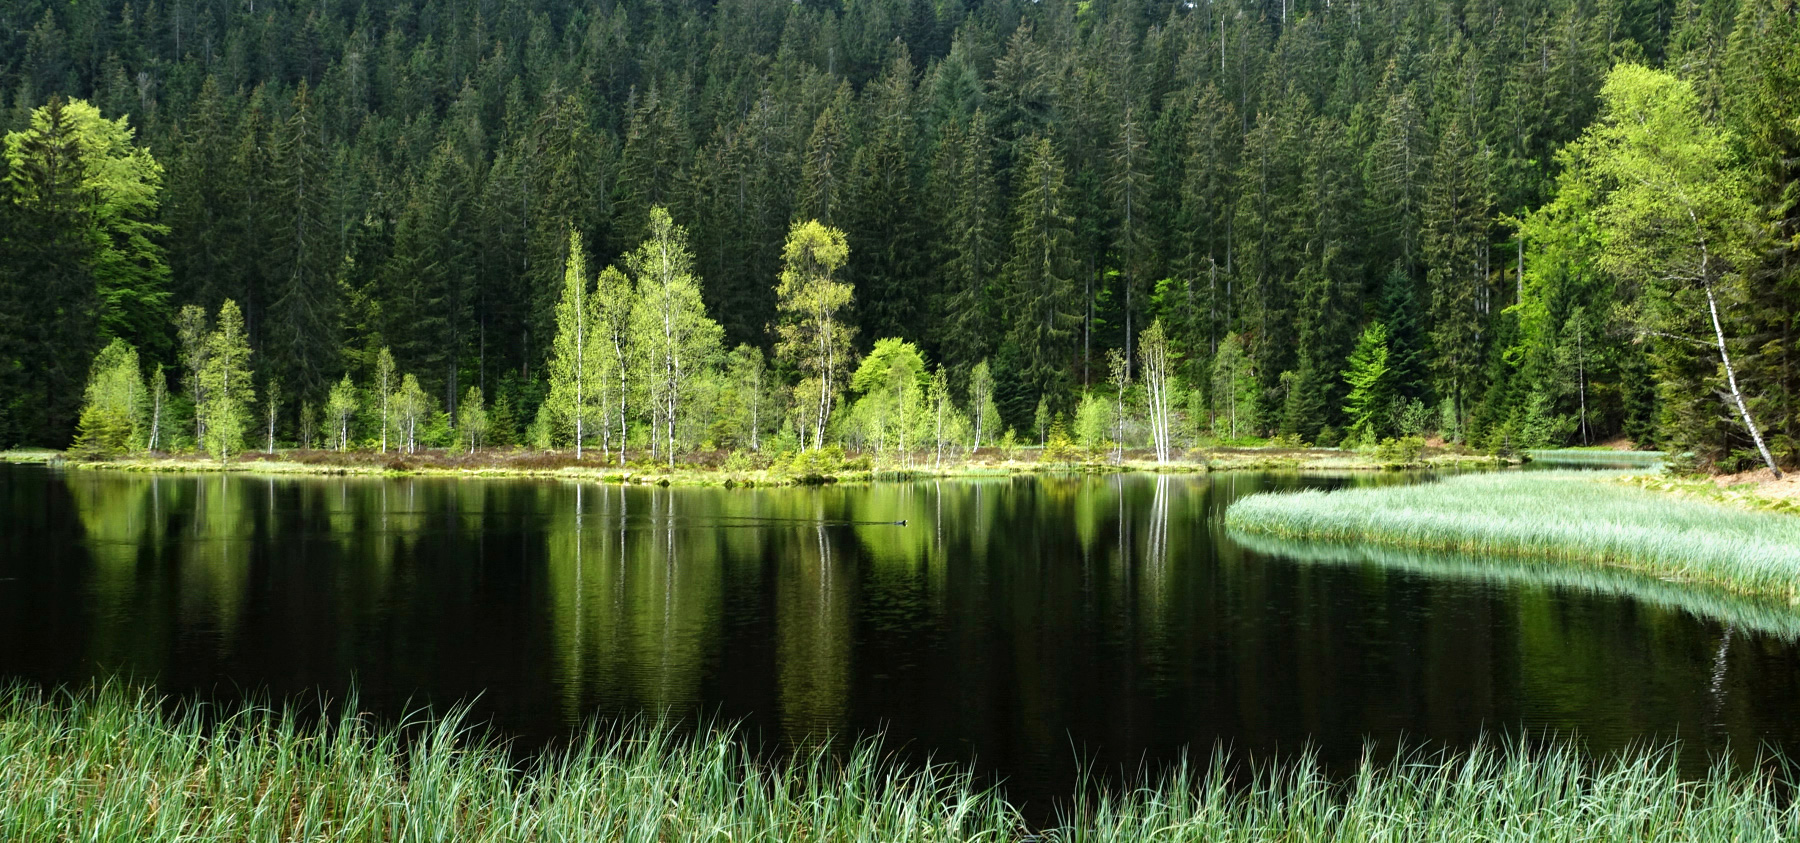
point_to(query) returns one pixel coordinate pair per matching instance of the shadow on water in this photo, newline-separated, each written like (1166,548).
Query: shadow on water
(1026,624)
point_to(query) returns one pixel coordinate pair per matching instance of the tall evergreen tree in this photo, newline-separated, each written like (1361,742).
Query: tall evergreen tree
(1038,280)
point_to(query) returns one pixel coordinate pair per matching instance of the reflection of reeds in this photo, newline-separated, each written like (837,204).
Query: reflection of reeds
(1763,616)
(119,767)
(1558,515)
(1641,460)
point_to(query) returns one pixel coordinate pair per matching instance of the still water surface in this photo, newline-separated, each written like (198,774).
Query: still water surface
(1025,623)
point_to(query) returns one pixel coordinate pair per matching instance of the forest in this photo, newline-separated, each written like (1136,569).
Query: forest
(898,225)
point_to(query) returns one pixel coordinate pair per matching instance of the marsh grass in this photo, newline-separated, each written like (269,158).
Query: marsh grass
(110,764)
(1761,615)
(1569,516)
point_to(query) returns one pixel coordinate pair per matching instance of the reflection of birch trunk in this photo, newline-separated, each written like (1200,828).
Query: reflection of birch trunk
(1717,688)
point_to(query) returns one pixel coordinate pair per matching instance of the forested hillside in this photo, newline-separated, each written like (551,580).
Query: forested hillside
(1365,217)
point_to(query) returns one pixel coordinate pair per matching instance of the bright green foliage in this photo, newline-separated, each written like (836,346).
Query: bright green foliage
(1158,369)
(111,185)
(1235,391)
(812,336)
(225,384)
(1370,402)
(1669,202)
(340,407)
(984,415)
(613,300)
(576,352)
(472,420)
(157,424)
(384,385)
(746,406)
(892,383)
(411,407)
(112,414)
(676,340)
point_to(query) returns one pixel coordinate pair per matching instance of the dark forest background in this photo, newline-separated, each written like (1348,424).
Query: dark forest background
(361,175)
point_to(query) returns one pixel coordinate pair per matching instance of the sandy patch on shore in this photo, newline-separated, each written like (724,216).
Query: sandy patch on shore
(1761,483)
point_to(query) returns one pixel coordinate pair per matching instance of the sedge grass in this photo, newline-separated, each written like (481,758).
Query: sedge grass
(109,764)
(1564,516)
(1769,617)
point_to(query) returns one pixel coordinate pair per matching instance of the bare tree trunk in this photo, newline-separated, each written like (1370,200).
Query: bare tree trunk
(1737,395)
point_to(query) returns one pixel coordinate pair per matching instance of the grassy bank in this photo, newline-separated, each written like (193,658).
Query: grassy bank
(718,468)
(1576,516)
(109,765)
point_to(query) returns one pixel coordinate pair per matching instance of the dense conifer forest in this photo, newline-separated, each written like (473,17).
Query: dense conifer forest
(893,224)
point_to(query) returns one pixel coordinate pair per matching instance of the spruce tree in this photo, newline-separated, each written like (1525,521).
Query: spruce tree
(1038,279)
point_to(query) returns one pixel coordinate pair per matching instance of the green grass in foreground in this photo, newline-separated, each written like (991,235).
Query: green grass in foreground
(1578,516)
(108,765)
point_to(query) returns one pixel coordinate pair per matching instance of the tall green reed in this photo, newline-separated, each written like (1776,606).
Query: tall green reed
(112,764)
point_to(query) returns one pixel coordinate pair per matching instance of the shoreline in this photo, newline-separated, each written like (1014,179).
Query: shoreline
(712,470)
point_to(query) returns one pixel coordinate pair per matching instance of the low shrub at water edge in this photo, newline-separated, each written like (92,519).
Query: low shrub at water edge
(1563,515)
(109,764)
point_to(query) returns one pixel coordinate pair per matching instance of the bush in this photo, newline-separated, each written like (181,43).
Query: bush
(1400,453)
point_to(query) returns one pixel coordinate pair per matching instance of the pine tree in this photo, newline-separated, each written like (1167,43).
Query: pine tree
(963,183)
(1456,218)
(1369,403)
(1039,277)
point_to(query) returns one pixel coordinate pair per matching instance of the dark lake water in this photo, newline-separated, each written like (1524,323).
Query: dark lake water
(1028,624)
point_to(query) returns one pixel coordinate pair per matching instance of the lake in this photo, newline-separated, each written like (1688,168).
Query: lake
(1030,624)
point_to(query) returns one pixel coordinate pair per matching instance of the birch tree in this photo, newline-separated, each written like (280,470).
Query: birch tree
(159,407)
(669,323)
(1153,361)
(614,298)
(384,377)
(472,419)
(981,401)
(272,405)
(572,353)
(811,335)
(340,405)
(1675,215)
(410,407)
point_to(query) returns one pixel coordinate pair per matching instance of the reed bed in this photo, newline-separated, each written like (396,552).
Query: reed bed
(1565,516)
(109,764)
(1769,617)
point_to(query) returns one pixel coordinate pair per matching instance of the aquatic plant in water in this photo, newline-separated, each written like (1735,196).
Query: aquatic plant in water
(1573,516)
